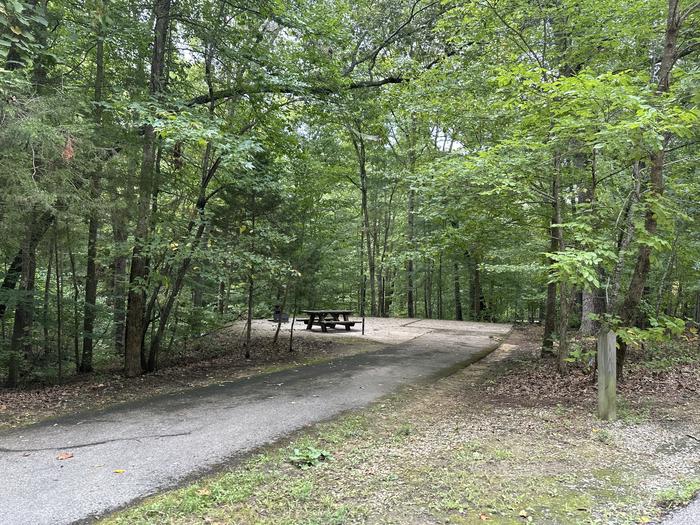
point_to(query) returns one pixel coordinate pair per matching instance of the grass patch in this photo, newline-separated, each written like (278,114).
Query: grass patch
(681,494)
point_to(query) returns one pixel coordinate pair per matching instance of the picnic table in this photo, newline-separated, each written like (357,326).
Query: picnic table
(328,318)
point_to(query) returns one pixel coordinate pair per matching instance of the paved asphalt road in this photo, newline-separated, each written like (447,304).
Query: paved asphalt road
(163,441)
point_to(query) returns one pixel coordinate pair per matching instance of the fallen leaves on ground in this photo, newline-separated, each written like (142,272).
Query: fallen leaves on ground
(531,379)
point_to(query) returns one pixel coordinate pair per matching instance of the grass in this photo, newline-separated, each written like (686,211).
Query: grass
(680,494)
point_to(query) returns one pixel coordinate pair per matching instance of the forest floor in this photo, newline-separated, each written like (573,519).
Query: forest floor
(208,359)
(504,441)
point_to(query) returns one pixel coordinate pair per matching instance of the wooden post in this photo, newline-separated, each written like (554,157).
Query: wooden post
(363,324)
(291,329)
(607,379)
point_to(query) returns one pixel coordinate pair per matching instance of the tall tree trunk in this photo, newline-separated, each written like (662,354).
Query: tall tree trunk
(440,302)
(93,223)
(119,263)
(221,303)
(76,317)
(410,278)
(550,315)
(390,292)
(135,316)
(251,284)
(630,306)
(39,227)
(22,328)
(380,291)
(564,291)
(59,311)
(359,145)
(477,295)
(363,282)
(588,307)
(458,294)
(411,218)
(177,275)
(592,301)
(279,321)
(47,295)
(428,290)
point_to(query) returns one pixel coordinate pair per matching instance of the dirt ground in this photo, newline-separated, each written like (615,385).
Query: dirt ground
(504,441)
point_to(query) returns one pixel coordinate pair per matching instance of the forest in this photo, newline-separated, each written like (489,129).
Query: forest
(168,167)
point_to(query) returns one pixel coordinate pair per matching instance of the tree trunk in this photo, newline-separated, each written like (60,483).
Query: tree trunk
(40,226)
(550,315)
(22,328)
(279,321)
(221,305)
(93,224)
(477,294)
(59,312)
(592,301)
(428,290)
(564,303)
(410,278)
(135,316)
(361,155)
(390,292)
(177,275)
(589,307)
(458,294)
(76,317)
(249,314)
(120,282)
(440,303)
(630,305)
(251,284)
(47,295)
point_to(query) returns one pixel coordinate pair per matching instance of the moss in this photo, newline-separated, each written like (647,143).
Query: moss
(680,494)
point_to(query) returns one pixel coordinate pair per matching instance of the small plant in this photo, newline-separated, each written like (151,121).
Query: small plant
(500,454)
(578,353)
(308,457)
(404,430)
(603,436)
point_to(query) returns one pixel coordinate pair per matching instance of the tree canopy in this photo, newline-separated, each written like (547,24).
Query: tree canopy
(168,167)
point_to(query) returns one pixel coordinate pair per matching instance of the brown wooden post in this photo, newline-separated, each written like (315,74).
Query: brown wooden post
(607,377)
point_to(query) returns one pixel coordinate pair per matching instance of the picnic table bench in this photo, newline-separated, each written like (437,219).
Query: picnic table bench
(328,318)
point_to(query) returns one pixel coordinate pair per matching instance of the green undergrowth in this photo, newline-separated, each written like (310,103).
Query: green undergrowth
(669,355)
(680,494)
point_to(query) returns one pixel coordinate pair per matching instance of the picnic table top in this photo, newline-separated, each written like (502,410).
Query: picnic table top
(328,311)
